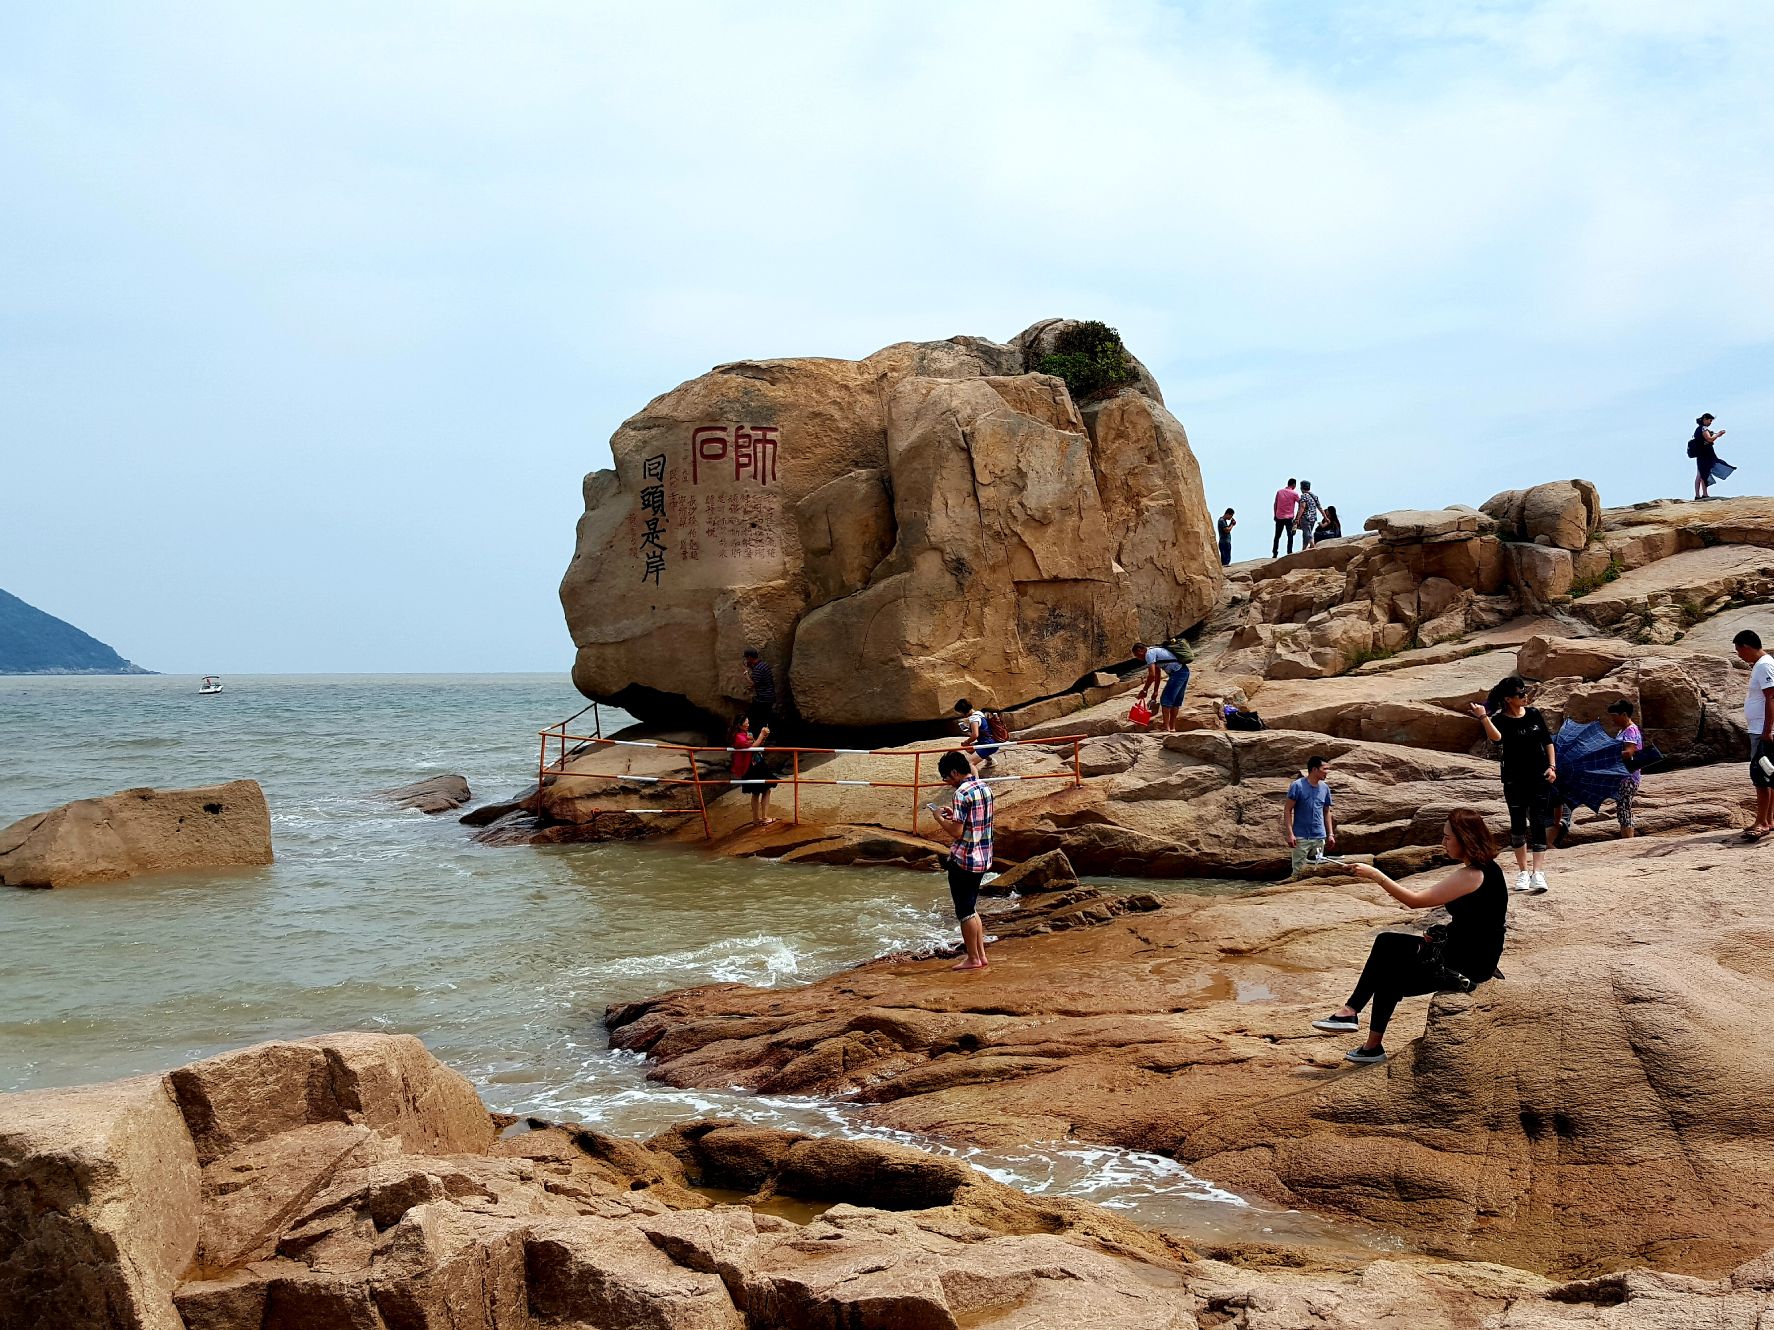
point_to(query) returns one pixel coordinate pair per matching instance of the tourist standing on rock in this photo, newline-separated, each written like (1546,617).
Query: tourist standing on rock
(970,857)
(1311,509)
(1758,716)
(750,772)
(977,725)
(1456,958)
(1226,523)
(1167,678)
(1331,528)
(1287,503)
(1306,818)
(763,690)
(1530,771)
(1701,450)
(1632,739)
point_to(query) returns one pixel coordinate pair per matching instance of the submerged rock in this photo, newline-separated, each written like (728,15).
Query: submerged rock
(435,794)
(138,831)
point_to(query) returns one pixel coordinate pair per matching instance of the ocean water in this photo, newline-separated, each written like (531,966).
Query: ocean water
(372,918)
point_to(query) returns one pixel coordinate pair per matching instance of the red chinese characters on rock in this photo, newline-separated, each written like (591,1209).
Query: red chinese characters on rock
(751,449)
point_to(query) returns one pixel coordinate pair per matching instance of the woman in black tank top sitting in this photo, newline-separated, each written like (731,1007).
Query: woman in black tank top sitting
(1402,964)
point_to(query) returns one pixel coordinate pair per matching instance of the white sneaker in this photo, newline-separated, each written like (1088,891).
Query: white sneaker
(1537,883)
(1524,881)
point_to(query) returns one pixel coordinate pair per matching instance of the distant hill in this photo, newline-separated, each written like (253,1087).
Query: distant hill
(32,642)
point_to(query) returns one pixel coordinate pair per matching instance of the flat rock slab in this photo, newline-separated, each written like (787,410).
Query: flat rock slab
(138,831)
(436,794)
(1689,579)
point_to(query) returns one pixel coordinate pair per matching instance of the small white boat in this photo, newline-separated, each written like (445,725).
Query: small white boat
(210,685)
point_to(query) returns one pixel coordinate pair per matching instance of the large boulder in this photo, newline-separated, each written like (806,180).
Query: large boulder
(891,533)
(1562,513)
(138,831)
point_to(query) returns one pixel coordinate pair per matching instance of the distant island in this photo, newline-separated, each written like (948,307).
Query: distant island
(32,642)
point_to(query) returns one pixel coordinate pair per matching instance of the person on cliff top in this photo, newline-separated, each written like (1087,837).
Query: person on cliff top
(1306,818)
(1530,773)
(1456,958)
(762,711)
(977,726)
(1167,678)
(1306,520)
(970,857)
(1758,716)
(750,772)
(1287,503)
(1331,528)
(1700,448)
(1226,523)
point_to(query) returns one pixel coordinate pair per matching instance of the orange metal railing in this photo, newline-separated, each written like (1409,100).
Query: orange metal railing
(572,747)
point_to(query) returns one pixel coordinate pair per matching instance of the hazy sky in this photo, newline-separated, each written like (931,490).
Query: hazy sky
(314,315)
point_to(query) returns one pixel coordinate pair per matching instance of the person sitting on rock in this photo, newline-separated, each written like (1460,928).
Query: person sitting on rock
(1331,528)
(1401,965)
(1167,678)
(1530,774)
(970,857)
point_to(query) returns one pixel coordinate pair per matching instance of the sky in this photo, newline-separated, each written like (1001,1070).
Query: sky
(313,315)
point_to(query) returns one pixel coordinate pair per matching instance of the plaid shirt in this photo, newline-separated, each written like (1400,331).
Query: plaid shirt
(973,809)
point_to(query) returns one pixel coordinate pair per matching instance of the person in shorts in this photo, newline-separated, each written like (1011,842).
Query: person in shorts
(750,773)
(1306,818)
(1758,717)
(977,726)
(969,815)
(1167,680)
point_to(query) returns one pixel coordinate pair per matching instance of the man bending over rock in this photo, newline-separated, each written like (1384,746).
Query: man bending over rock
(970,857)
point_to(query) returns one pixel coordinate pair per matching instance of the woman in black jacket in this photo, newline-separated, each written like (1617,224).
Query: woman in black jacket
(1402,965)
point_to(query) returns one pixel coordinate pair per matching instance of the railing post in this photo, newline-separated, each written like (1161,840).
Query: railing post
(597,721)
(917,779)
(701,800)
(797,785)
(542,760)
(1077,770)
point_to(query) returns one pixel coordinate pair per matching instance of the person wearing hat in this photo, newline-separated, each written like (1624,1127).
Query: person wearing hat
(1705,459)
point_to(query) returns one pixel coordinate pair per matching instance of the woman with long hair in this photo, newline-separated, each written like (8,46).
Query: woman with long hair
(1331,528)
(1402,965)
(1530,774)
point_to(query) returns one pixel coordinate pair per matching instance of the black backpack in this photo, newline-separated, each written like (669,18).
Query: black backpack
(1694,446)
(1244,720)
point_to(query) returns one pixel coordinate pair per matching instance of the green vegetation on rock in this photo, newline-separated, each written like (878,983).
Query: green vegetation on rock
(1092,360)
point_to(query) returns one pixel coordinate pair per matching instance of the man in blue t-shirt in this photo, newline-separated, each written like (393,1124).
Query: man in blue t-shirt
(1307,821)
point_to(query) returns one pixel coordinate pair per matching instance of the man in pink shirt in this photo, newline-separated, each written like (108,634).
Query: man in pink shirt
(1287,503)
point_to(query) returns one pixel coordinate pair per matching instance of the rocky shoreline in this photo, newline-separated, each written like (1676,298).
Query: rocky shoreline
(352,1182)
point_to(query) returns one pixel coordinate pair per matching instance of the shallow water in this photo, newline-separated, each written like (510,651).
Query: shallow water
(502,960)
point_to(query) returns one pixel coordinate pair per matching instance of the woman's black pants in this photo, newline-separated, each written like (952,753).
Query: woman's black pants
(1394,970)
(1530,809)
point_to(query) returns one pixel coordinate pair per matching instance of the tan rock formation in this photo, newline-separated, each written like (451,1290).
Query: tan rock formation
(1605,1103)
(892,533)
(1561,513)
(138,831)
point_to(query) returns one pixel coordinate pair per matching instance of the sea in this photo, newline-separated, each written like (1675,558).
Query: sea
(373,918)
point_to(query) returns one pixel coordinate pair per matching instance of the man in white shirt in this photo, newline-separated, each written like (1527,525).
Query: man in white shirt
(1758,715)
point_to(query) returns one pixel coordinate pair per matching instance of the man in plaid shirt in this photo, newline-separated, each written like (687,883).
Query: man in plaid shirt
(970,857)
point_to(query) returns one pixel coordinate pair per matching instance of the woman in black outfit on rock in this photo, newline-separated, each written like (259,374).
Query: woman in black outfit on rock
(1530,774)
(1403,965)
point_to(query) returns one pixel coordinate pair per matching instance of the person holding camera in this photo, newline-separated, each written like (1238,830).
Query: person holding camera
(1456,958)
